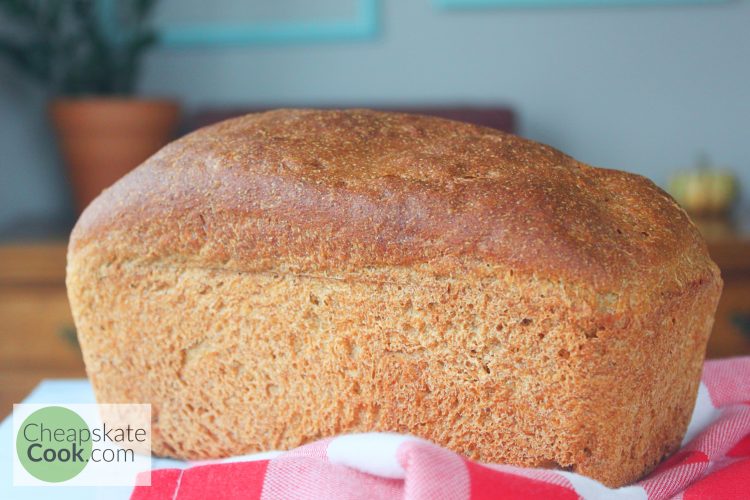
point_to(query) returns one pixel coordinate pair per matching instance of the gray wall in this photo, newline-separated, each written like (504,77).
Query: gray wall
(32,184)
(642,89)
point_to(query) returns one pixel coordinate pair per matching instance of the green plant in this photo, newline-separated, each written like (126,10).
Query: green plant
(77,47)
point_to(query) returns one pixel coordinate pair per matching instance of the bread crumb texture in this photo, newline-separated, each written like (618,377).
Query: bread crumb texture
(286,276)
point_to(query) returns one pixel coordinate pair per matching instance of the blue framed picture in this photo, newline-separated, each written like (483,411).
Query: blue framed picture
(464,4)
(359,21)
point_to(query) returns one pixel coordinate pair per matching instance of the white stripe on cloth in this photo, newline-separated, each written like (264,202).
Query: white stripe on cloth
(704,414)
(372,452)
(377,454)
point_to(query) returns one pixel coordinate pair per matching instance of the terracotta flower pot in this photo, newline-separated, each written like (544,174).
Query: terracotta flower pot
(102,139)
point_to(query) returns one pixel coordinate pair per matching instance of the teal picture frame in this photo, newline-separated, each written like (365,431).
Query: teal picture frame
(363,25)
(476,4)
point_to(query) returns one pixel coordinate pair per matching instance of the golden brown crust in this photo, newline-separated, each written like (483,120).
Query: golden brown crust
(366,188)
(296,274)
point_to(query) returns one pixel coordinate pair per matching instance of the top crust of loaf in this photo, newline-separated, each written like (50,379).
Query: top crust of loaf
(333,191)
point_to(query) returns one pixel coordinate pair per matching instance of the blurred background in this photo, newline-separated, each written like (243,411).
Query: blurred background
(89,89)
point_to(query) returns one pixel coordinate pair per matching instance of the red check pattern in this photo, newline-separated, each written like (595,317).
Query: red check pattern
(713,463)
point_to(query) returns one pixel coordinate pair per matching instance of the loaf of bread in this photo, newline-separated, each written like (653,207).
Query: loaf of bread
(286,276)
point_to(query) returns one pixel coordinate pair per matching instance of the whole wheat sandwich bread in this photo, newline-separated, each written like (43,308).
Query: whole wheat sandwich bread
(285,276)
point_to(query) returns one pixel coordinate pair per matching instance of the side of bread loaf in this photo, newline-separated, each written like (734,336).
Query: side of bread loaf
(296,274)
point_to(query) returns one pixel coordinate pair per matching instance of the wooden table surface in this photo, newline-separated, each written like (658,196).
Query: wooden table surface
(37,338)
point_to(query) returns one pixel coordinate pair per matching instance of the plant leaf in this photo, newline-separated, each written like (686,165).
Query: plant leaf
(22,10)
(143,8)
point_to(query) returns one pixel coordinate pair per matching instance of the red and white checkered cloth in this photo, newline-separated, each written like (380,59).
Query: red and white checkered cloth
(714,462)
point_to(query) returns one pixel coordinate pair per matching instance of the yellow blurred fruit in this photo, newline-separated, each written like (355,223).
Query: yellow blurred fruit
(704,190)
